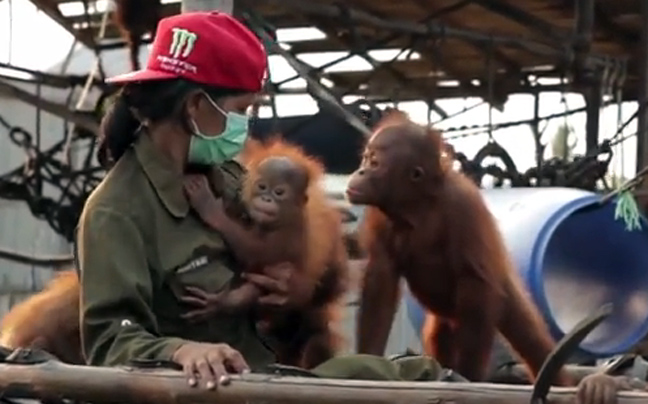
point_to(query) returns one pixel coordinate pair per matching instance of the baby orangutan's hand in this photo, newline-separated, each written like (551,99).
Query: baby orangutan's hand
(202,199)
(208,304)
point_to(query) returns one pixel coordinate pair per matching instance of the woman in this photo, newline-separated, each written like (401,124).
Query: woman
(138,247)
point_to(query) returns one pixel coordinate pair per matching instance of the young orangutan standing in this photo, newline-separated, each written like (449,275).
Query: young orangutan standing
(430,225)
(292,222)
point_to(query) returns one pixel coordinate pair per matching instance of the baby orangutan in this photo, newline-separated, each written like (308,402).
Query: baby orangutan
(276,208)
(292,222)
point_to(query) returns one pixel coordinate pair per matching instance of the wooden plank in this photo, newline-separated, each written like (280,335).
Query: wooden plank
(111,385)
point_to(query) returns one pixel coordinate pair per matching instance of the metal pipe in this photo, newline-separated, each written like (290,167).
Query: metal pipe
(584,10)
(593,100)
(584,24)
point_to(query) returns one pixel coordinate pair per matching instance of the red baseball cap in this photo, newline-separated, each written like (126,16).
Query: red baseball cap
(210,48)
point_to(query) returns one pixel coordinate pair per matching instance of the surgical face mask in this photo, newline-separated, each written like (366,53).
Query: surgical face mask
(214,150)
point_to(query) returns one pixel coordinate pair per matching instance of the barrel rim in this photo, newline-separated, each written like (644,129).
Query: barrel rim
(536,271)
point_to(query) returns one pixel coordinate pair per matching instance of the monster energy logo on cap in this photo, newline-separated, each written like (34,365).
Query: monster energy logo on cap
(183,42)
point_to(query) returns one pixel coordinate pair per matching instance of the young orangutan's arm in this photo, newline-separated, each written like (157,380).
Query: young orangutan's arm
(212,304)
(245,244)
(243,296)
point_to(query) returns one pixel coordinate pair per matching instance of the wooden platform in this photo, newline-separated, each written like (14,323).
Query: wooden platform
(128,385)
(519,38)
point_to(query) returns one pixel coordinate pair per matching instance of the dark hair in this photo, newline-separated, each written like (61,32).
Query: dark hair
(153,101)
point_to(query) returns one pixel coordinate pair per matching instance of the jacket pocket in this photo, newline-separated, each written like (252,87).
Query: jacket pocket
(209,272)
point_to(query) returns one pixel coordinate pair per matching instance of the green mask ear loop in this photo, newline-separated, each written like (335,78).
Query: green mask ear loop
(626,206)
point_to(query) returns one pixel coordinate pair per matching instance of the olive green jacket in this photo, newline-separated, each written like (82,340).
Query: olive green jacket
(137,248)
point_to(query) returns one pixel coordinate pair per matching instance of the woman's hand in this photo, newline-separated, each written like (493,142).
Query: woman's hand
(209,363)
(602,389)
(284,286)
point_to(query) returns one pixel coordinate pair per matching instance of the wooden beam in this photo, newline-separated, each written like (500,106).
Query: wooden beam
(409,70)
(454,20)
(450,68)
(620,7)
(105,384)
(527,20)
(285,20)
(384,91)
(405,27)
(605,21)
(447,64)
(328,45)
(391,69)
(606,25)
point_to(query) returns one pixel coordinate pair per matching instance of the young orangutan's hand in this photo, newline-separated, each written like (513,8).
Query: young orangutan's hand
(285,287)
(201,198)
(208,304)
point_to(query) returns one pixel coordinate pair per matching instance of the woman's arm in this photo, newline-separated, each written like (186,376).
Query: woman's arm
(117,323)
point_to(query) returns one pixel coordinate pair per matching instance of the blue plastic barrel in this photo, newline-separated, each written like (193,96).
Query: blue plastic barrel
(573,257)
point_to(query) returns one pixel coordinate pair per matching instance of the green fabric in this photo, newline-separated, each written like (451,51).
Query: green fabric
(138,247)
(369,367)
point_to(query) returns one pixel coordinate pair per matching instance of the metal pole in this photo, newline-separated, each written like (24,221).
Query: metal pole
(594,101)
(226,6)
(584,10)
(584,26)
(642,98)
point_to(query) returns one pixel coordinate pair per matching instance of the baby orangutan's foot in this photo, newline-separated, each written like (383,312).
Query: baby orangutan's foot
(201,198)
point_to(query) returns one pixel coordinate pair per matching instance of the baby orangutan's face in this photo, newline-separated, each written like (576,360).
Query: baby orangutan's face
(279,192)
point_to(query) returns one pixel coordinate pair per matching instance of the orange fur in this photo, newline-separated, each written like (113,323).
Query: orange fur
(430,225)
(48,320)
(391,116)
(321,216)
(251,147)
(325,258)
